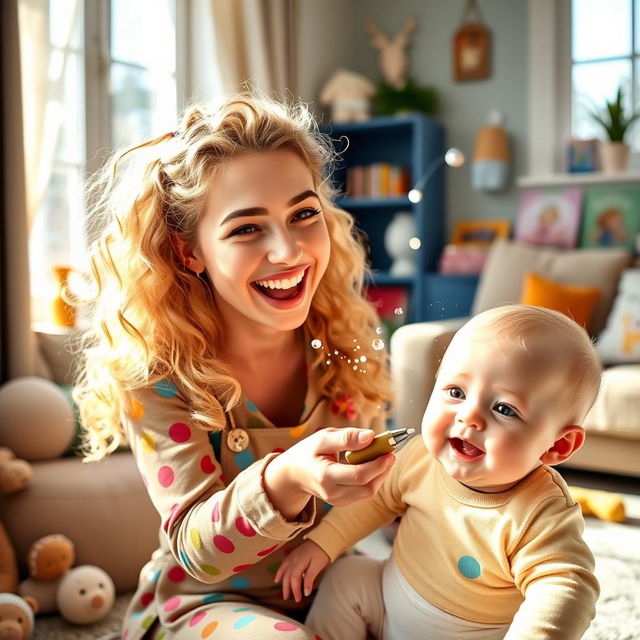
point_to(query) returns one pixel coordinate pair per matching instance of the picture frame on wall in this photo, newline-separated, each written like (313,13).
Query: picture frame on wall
(549,217)
(471,46)
(583,155)
(611,217)
(480,232)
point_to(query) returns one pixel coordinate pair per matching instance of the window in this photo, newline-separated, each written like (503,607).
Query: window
(111,81)
(605,54)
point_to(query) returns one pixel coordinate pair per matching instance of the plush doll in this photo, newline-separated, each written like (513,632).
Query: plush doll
(348,93)
(85,595)
(16,616)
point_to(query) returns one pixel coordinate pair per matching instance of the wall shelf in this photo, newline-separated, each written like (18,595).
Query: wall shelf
(578,179)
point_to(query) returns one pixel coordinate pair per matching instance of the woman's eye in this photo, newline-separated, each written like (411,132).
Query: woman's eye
(305,214)
(244,230)
(505,410)
(456,392)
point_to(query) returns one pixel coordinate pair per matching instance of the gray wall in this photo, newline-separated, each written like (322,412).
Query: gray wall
(332,34)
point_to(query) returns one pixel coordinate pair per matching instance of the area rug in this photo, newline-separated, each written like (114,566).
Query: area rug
(616,548)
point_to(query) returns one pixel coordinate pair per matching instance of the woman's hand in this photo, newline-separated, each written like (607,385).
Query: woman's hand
(311,468)
(301,566)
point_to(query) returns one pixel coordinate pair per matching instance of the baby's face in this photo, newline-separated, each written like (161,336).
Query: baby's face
(494,410)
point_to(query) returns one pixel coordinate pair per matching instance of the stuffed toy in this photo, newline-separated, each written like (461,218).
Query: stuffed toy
(601,504)
(348,93)
(82,595)
(15,475)
(16,616)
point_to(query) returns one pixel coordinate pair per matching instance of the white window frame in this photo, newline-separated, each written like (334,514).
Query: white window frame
(550,62)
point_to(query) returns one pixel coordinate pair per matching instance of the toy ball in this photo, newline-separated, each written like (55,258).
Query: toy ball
(36,419)
(85,595)
(16,616)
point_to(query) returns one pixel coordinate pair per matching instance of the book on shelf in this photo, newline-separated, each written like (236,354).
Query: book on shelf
(377,180)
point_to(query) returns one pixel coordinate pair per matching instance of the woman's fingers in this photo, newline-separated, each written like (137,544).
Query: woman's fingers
(331,441)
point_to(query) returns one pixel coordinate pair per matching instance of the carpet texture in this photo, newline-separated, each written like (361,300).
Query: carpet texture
(615,546)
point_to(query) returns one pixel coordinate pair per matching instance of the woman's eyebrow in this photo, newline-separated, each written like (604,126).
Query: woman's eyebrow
(261,211)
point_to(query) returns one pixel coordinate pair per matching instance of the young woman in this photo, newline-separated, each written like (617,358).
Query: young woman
(232,349)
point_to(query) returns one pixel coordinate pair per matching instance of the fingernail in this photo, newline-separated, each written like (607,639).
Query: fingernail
(307,591)
(364,436)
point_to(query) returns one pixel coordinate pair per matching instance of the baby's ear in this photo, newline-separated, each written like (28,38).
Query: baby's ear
(567,443)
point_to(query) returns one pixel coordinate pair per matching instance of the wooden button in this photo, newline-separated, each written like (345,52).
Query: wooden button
(237,440)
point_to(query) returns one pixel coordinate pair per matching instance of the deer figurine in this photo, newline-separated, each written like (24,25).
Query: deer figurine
(393,56)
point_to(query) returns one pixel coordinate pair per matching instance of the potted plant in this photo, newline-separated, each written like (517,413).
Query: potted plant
(615,152)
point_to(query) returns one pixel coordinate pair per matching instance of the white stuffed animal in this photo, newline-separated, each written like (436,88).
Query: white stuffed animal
(348,93)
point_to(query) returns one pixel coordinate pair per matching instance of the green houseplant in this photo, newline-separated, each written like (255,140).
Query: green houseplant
(616,123)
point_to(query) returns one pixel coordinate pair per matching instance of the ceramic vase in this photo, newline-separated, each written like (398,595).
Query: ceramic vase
(614,157)
(396,241)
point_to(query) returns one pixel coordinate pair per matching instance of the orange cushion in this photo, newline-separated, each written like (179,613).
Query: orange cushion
(575,301)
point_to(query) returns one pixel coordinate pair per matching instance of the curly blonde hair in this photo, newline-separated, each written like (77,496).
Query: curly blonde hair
(153,319)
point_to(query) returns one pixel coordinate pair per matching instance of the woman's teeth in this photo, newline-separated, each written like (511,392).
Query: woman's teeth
(287,283)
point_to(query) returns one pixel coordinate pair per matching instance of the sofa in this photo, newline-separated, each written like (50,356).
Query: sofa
(613,425)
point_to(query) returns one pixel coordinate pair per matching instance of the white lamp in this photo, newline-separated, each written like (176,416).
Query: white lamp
(453,157)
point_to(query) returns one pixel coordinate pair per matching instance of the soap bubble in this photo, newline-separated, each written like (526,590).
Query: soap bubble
(355,366)
(398,311)
(363,358)
(378,330)
(378,344)
(316,344)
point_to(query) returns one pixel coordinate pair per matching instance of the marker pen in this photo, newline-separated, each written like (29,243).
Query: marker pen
(385,442)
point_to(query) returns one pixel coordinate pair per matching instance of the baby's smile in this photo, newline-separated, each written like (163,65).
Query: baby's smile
(465,449)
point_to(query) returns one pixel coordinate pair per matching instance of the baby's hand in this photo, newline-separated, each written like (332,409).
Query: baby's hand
(303,564)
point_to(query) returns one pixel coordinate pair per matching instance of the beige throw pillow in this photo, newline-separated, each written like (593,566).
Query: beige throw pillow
(508,262)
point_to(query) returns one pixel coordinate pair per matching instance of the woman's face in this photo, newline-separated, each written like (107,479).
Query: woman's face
(263,240)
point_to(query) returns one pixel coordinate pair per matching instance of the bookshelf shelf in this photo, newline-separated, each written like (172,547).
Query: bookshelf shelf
(377,203)
(383,278)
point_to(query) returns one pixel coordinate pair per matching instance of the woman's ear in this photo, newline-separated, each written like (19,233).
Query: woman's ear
(186,255)
(570,440)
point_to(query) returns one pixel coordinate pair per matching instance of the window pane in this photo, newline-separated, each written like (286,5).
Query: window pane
(593,84)
(637,26)
(143,104)
(601,29)
(65,20)
(143,33)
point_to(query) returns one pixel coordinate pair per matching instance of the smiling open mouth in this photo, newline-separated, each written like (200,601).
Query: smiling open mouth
(465,449)
(283,288)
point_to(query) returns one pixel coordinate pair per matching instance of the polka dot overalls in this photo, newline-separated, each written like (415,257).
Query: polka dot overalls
(221,541)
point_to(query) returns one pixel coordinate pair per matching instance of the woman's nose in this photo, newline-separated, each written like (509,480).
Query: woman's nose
(284,248)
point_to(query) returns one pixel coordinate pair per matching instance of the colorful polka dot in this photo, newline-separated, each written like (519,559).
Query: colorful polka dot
(210,598)
(125,635)
(166,388)
(176,574)
(155,576)
(212,571)
(194,536)
(243,622)
(215,512)
(197,617)
(136,409)
(252,407)
(209,629)
(146,598)
(166,476)
(147,622)
(284,625)
(326,506)
(161,635)
(222,543)
(148,443)
(244,527)
(297,432)
(241,567)
(244,459)
(469,567)
(179,432)
(185,559)
(240,583)
(207,465)
(266,552)
(255,423)
(172,604)
(240,609)
(277,450)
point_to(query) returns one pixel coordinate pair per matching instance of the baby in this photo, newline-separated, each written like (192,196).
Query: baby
(490,542)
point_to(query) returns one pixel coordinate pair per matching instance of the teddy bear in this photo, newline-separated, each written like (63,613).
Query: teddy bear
(82,595)
(348,93)
(16,616)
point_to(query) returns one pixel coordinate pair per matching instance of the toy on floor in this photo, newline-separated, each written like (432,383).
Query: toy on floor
(15,475)
(82,595)
(16,616)
(601,504)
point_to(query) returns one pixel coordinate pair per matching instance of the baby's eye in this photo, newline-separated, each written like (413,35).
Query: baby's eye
(456,392)
(305,214)
(244,230)
(505,410)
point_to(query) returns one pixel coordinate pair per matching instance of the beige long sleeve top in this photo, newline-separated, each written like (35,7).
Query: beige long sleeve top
(516,556)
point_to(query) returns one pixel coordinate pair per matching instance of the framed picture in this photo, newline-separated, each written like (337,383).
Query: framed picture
(480,232)
(611,217)
(471,48)
(582,155)
(549,217)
